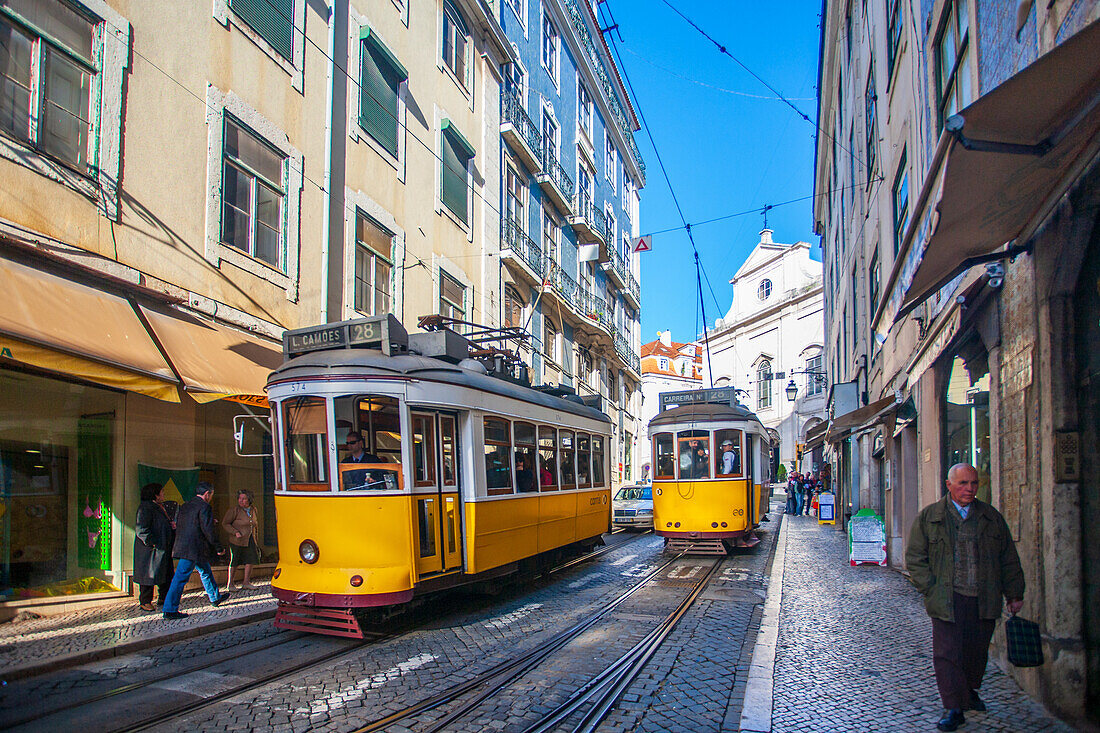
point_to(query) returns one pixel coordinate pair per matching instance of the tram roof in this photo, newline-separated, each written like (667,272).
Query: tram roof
(353,363)
(704,412)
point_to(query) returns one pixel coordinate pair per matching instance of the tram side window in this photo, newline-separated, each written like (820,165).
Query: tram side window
(694,450)
(666,458)
(423,450)
(498,449)
(548,459)
(526,457)
(727,459)
(584,460)
(599,475)
(447,443)
(568,456)
(305,420)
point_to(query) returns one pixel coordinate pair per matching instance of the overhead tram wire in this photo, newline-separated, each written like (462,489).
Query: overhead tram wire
(721,48)
(671,190)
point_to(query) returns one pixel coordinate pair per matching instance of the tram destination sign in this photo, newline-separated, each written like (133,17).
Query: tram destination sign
(384,333)
(718,395)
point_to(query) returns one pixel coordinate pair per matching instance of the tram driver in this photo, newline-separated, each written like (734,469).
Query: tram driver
(357,453)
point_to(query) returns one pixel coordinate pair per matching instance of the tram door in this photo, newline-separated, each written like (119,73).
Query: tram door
(435,491)
(750,480)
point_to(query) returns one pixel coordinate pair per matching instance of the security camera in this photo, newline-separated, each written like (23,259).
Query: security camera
(996,273)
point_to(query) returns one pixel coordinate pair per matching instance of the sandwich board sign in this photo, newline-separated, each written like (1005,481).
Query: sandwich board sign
(866,538)
(826,508)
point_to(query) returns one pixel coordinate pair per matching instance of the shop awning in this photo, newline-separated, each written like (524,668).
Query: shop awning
(815,436)
(865,416)
(1009,157)
(52,323)
(213,360)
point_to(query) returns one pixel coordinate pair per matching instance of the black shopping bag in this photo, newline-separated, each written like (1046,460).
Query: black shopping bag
(1025,648)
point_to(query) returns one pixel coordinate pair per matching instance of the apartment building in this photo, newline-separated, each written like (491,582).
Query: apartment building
(956,173)
(571,176)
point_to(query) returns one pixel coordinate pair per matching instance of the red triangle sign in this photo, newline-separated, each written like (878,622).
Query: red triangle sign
(643,244)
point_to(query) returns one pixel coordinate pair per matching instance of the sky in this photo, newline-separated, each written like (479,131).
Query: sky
(728,143)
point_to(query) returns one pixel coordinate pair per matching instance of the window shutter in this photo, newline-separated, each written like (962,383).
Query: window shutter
(455,159)
(271,19)
(378,100)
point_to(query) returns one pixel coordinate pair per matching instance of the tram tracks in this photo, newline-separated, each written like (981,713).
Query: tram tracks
(602,691)
(223,660)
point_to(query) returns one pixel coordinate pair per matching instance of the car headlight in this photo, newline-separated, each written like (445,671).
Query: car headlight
(308,551)
(645,511)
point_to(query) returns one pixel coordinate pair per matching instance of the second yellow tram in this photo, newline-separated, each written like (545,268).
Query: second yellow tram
(710,459)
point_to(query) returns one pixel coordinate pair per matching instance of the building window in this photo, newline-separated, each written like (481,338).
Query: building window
(550,42)
(550,233)
(271,19)
(610,158)
(612,226)
(901,202)
(815,383)
(764,384)
(513,308)
(952,54)
(870,105)
(46,79)
(516,202)
(373,266)
(252,195)
(452,297)
(381,76)
(519,7)
(663,362)
(456,44)
(893,37)
(873,278)
(457,153)
(584,110)
(764,289)
(550,135)
(550,339)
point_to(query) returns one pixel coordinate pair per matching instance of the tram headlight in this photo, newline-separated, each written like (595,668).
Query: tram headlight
(308,551)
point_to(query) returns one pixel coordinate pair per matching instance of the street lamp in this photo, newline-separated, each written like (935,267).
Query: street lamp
(792,389)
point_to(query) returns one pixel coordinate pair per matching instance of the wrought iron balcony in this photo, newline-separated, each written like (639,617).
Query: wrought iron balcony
(520,132)
(595,310)
(554,181)
(632,290)
(626,353)
(563,285)
(517,244)
(615,267)
(589,222)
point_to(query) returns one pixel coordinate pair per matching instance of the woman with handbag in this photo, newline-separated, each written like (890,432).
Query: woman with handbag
(155,533)
(240,523)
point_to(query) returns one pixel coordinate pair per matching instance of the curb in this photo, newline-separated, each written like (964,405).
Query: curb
(65,661)
(756,712)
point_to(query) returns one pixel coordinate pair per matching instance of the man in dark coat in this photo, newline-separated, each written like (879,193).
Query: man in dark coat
(962,559)
(152,547)
(196,543)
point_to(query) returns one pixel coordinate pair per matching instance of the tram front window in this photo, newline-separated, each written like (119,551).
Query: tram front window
(694,454)
(666,460)
(305,422)
(371,430)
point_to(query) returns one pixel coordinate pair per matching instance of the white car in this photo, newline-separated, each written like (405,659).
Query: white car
(632,507)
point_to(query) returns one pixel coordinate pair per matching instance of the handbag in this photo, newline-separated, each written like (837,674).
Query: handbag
(1025,647)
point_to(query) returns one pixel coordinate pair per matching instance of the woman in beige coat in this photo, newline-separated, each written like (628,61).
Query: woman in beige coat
(241,523)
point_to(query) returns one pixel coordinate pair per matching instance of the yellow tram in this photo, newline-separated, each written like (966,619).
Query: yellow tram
(709,462)
(466,473)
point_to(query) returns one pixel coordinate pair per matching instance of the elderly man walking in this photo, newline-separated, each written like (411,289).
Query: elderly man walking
(962,559)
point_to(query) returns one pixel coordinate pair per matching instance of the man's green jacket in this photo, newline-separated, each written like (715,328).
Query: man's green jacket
(930,558)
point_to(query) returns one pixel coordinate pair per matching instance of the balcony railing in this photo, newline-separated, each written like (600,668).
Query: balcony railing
(525,131)
(589,222)
(627,354)
(515,239)
(556,175)
(595,309)
(633,288)
(564,285)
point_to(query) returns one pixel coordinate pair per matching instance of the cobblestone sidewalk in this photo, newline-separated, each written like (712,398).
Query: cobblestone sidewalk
(855,649)
(32,646)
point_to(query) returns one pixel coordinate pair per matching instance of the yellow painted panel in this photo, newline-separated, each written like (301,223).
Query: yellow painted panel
(697,504)
(593,513)
(500,532)
(557,520)
(369,536)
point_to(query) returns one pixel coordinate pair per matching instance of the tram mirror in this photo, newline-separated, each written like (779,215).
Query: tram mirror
(252,436)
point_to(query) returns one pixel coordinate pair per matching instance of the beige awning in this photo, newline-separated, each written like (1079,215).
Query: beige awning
(1011,155)
(213,360)
(52,323)
(865,416)
(815,436)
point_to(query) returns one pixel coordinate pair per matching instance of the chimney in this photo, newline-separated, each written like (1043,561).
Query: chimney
(666,338)
(766,236)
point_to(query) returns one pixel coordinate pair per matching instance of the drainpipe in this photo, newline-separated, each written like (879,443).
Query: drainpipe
(327,218)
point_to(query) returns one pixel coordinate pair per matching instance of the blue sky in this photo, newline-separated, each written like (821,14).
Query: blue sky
(727,143)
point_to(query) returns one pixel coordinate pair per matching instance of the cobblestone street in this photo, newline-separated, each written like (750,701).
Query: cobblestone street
(854,649)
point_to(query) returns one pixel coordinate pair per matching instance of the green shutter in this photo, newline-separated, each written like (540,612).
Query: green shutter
(379,83)
(454,174)
(272,19)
